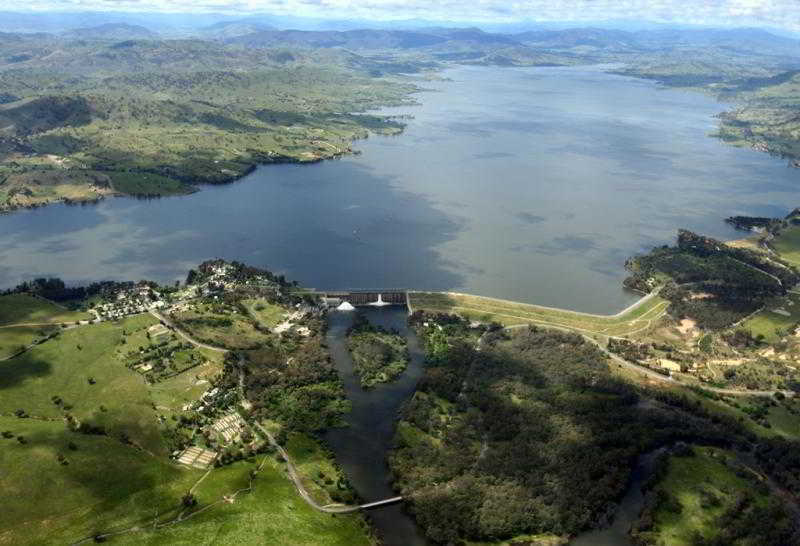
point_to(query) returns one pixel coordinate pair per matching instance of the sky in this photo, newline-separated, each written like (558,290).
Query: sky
(774,13)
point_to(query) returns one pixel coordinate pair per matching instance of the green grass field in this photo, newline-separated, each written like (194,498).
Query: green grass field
(14,338)
(787,244)
(693,482)
(171,395)
(26,309)
(18,310)
(221,329)
(118,399)
(785,423)
(267,314)
(105,484)
(317,470)
(272,513)
(509,313)
(768,321)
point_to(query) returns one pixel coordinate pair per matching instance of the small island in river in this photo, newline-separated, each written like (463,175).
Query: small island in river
(379,356)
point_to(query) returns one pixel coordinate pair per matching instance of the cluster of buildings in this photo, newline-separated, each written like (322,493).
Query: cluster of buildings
(139,299)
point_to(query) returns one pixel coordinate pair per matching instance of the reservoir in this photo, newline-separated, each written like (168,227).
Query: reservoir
(531,184)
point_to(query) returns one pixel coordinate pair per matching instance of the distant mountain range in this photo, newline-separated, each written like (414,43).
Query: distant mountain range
(209,24)
(114,45)
(251,32)
(112,31)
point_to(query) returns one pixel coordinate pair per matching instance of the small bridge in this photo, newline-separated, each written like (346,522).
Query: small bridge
(356,298)
(378,504)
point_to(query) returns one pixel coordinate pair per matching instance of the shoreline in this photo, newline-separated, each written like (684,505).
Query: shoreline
(197,186)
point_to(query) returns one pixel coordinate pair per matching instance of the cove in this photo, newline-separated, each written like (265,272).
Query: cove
(529,184)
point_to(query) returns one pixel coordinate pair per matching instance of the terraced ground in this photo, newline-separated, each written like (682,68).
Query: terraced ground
(632,320)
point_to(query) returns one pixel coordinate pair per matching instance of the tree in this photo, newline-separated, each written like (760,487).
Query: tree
(189,500)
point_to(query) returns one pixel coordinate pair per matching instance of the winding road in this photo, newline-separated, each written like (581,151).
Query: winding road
(290,467)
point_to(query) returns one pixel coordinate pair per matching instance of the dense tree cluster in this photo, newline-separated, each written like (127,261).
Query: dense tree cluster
(527,432)
(237,272)
(378,355)
(56,289)
(296,385)
(736,281)
(748,223)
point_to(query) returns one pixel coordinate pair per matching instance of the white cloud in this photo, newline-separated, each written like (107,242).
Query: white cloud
(781,13)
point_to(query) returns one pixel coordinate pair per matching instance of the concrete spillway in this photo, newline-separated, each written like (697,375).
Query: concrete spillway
(380,302)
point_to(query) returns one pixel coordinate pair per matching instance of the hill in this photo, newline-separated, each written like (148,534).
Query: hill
(112,31)
(114,108)
(102,424)
(82,119)
(230,29)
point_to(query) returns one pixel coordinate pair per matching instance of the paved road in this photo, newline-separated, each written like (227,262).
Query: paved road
(186,336)
(298,483)
(293,475)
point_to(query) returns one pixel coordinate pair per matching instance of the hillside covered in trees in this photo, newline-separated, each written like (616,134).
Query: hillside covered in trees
(529,432)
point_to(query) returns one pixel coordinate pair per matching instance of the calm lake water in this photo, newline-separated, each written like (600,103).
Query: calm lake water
(530,184)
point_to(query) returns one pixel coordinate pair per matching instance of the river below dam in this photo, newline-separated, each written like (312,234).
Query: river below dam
(361,448)
(528,184)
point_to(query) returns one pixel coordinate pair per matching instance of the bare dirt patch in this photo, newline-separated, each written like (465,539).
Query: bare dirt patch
(688,327)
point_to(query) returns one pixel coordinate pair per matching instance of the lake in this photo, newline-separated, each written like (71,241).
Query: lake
(531,184)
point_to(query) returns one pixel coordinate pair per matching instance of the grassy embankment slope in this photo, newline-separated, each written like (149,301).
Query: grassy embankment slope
(787,244)
(25,319)
(780,314)
(272,513)
(510,313)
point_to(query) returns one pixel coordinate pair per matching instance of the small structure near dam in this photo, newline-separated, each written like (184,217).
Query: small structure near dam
(363,298)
